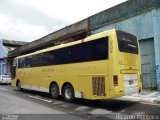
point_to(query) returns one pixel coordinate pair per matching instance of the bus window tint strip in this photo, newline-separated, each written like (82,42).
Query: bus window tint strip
(127,42)
(87,51)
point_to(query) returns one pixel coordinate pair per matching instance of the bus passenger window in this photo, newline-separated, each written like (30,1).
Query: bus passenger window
(37,60)
(101,49)
(21,63)
(28,61)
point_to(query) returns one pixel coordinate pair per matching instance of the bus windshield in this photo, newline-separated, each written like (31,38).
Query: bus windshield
(127,42)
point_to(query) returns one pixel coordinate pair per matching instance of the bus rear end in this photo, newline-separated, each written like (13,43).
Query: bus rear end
(127,65)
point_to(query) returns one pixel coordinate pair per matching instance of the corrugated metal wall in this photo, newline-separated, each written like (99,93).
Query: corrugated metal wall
(148,63)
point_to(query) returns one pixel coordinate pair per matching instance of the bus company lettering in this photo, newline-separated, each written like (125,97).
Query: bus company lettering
(67,68)
(47,70)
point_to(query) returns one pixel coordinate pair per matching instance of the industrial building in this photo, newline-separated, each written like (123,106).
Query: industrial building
(139,17)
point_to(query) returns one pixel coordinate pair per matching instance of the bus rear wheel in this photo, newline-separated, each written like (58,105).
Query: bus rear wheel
(68,93)
(18,86)
(54,91)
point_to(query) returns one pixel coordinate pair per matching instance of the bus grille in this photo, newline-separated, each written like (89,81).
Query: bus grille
(98,85)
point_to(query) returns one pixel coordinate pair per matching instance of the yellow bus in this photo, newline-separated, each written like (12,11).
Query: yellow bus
(101,66)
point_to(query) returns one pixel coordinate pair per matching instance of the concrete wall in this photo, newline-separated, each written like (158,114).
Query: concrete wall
(140,25)
(121,12)
(156,33)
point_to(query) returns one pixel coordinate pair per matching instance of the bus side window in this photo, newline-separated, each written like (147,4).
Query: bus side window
(87,51)
(28,61)
(21,62)
(63,55)
(37,60)
(101,49)
(48,58)
(76,53)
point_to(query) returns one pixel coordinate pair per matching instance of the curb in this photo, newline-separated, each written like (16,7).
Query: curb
(147,100)
(139,99)
(157,101)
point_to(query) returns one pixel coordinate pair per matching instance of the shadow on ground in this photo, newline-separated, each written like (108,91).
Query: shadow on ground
(110,104)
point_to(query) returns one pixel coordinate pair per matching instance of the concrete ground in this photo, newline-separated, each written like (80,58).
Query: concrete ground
(33,105)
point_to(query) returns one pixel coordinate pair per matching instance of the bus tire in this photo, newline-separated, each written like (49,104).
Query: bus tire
(54,91)
(68,93)
(18,85)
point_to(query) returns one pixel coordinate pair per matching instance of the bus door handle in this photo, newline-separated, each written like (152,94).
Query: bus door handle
(49,76)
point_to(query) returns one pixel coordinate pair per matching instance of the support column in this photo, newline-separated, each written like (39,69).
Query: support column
(156,34)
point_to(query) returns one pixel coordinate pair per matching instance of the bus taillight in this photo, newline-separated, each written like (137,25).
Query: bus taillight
(115,80)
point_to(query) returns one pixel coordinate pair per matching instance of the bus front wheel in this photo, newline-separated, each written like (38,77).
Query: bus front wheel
(68,93)
(18,85)
(54,91)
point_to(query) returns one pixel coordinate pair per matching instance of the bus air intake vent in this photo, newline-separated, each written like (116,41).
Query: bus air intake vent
(98,85)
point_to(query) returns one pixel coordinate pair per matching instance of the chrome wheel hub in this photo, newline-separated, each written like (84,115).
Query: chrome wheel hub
(68,93)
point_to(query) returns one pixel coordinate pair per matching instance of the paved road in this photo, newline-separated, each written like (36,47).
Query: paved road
(39,106)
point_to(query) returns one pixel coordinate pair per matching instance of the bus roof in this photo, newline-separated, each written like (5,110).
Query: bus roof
(89,38)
